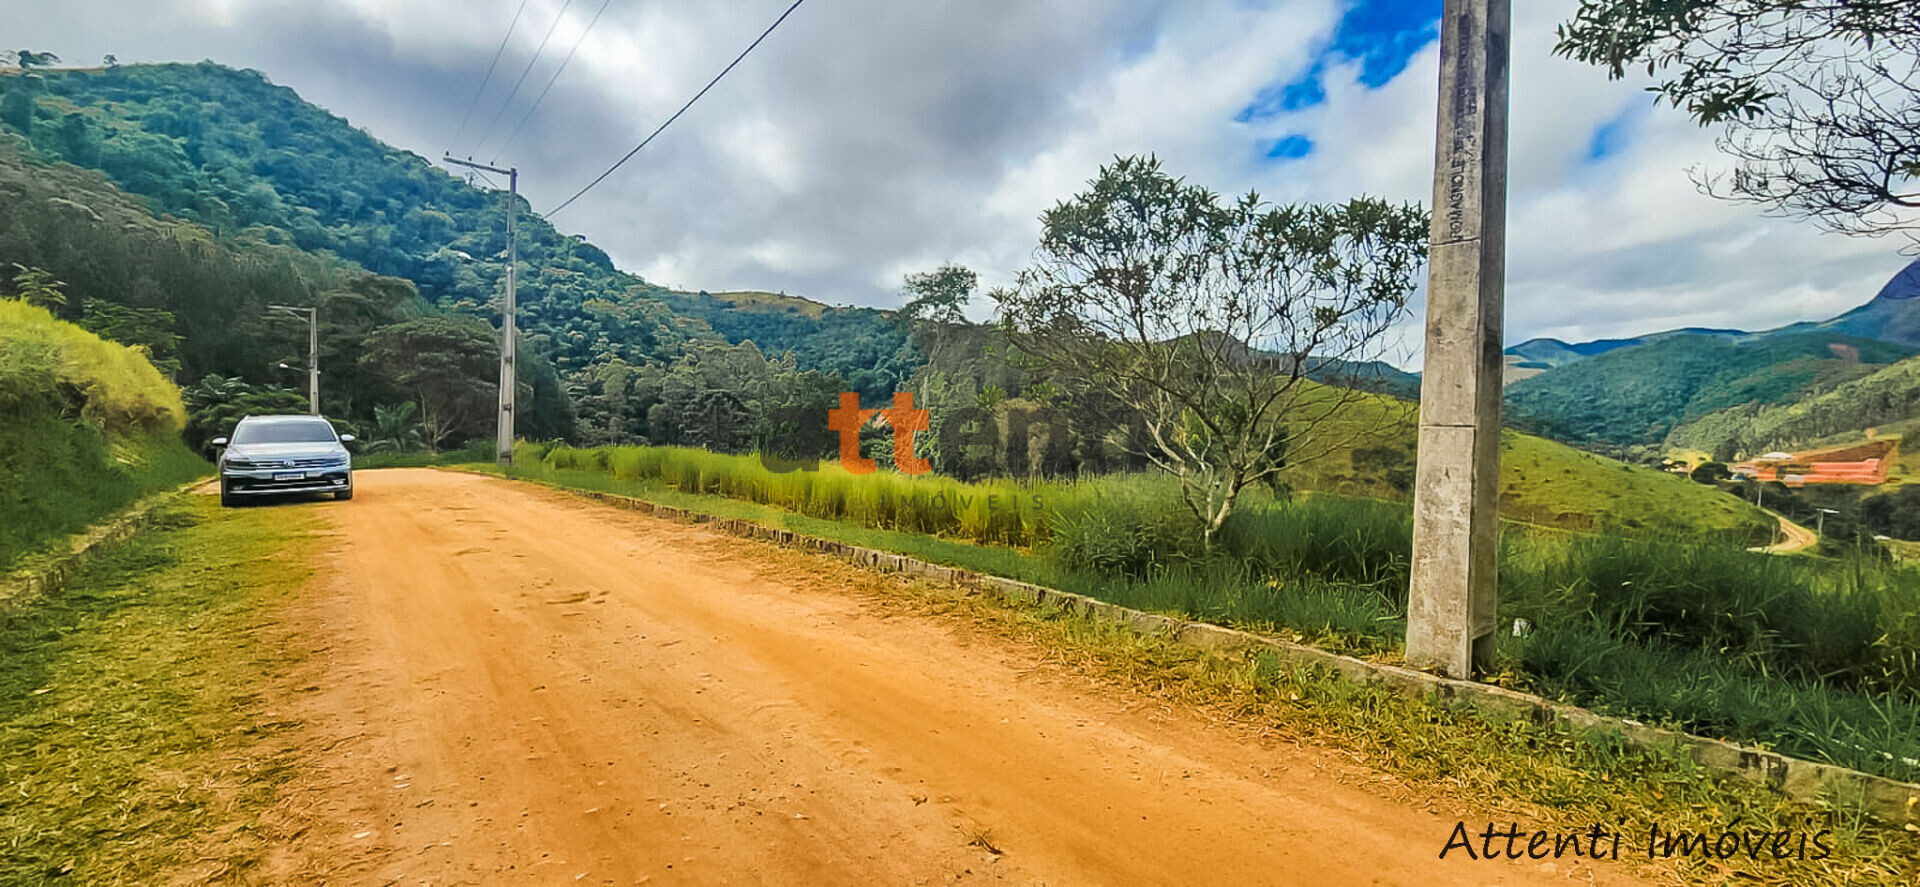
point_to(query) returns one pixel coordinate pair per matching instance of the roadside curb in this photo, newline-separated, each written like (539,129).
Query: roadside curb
(47,572)
(1889,801)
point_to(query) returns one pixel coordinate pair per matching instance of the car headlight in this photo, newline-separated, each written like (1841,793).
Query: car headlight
(240,464)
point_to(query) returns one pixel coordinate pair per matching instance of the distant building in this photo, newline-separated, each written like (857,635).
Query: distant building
(1866,463)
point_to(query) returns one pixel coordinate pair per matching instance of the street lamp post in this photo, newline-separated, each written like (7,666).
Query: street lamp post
(1820,522)
(313,353)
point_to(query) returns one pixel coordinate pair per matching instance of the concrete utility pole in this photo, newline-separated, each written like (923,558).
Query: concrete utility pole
(503,433)
(313,353)
(1451,611)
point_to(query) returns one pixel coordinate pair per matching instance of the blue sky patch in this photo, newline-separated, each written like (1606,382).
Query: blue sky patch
(1292,147)
(1611,137)
(1382,35)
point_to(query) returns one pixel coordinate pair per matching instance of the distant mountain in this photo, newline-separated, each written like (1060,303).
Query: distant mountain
(1634,391)
(1376,376)
(1549,353)
(1892,316)
(1637,394)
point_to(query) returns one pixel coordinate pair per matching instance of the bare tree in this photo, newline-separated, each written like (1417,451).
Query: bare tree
(1211,319)
(1819,100)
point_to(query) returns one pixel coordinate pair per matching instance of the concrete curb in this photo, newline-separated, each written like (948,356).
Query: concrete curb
(46,573)
(1889,801)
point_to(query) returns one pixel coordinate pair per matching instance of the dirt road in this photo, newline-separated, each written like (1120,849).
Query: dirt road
(521,687)
(1793,537)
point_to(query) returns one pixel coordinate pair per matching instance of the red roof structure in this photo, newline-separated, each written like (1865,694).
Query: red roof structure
(1860,464)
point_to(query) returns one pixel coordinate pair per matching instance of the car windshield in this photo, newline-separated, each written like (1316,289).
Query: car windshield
(283,432)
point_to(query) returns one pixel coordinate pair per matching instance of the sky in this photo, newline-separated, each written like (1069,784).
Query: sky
(867,139)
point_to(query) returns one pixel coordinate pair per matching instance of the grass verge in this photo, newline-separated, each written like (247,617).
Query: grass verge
(136,746)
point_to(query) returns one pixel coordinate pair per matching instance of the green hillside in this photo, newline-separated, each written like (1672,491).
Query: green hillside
(1637,395)
(1883,399)
(1542,481)
(232,151)
(862,346)
(90,427)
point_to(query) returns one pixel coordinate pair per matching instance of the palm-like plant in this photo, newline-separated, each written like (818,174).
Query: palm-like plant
(395,430)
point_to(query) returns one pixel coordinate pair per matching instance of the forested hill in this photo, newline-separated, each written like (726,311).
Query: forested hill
(235,153)
(1636,395)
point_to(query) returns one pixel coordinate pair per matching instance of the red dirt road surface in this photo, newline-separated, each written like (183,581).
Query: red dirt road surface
(526,688)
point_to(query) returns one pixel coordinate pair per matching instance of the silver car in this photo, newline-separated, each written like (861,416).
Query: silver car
(274,455)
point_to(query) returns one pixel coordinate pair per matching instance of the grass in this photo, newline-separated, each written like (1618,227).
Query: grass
(57,476)
(135,742)
(86,427)
(1815,659)
(1542,482)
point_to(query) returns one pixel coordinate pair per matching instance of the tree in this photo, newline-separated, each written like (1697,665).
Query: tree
(1819,99)
(935,313)
(450,366)
(149,329)
(216,403)
(27,58)
(395,430)
(939,296)
(36,287)
(1207,318)
(1710,473)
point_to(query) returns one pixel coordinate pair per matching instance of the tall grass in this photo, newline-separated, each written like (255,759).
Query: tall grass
(86,426)
(1000,512)
(1820,659)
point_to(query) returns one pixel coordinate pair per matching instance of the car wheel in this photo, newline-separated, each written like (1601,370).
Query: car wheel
(344,495)
(226,496)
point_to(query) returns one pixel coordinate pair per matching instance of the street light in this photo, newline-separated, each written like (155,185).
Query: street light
(313,353)
(1820,522)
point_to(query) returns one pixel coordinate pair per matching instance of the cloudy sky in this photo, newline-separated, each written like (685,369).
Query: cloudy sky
(870,138)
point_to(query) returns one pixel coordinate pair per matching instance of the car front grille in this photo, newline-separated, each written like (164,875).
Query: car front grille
(254,464)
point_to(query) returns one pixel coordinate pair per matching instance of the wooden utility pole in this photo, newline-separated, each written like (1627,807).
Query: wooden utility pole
(509,380)
(1451,609)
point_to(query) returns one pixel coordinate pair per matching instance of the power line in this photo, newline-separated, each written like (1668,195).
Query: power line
(523,74)
(483,81)
(683,108)
(550,82)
